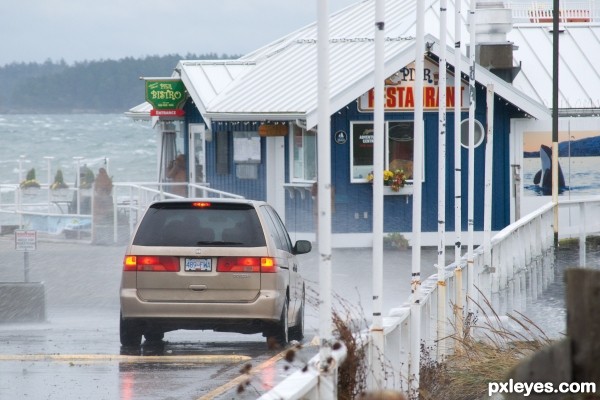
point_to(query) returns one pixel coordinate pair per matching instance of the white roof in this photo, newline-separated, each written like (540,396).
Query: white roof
(578,74)
(278,81)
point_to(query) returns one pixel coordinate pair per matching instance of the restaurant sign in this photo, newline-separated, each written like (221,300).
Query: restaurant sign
(399,90)
(167,96)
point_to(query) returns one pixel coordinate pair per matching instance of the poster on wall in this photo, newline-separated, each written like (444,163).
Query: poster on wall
(362,151)
(578,159)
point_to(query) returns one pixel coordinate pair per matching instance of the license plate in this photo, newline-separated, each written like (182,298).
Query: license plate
(198,264)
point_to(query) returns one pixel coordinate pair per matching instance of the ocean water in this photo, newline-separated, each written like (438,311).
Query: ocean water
(128,148)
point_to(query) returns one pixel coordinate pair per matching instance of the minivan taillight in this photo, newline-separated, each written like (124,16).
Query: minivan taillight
(246,264)
(151,263)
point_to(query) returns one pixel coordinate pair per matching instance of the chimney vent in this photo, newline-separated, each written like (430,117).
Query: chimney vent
(493,51)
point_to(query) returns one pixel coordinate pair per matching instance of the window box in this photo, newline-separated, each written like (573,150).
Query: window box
(406,190)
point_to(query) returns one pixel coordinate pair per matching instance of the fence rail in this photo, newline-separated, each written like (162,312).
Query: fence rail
(542,11)
(73,212)
(518,265)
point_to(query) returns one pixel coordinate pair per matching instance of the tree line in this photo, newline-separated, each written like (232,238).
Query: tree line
(104,86)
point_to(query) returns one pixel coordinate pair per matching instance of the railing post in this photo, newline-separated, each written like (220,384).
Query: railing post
(115,216)
(582,234)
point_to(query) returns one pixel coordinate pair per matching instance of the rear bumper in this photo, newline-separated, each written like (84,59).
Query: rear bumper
(266,308)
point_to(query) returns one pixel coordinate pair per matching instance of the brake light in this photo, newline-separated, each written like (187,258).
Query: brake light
(246,264)
(151,263)
(201,204)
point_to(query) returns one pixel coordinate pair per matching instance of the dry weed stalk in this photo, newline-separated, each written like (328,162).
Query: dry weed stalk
(488,351)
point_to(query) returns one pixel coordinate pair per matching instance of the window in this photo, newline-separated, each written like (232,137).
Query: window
(181,224)
(361,148)
(246,154)
(222,153)
(464,134)
(398,152)
(283,243)
(304,155)
(400,147)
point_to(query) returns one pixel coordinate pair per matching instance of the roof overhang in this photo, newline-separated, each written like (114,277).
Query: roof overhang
(214,117)
(141,112)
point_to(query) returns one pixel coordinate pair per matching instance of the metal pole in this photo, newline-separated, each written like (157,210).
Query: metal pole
(471,180)
(555,93)
(582,233)
(26,266)
(19,191)
(415,308)
(78,182)
(378,166)
(21,159)
(441,261)
(48,163)
(489,165)
(327,389)
(458,167)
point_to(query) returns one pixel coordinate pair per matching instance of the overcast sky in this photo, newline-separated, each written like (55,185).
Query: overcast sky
(78,30)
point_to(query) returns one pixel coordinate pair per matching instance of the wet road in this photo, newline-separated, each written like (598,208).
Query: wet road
(75,352)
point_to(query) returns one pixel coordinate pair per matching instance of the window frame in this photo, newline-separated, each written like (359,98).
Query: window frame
(292,155)
(477,143)
(386,148)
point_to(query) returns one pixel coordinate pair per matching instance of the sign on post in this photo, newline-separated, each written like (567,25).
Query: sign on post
(25,240)
(167,96)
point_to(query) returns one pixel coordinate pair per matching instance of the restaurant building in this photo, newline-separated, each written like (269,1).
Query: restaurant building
(248,126)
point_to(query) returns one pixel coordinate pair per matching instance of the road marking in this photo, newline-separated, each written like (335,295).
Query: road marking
(201,359)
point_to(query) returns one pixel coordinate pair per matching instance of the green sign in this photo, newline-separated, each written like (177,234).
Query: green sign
(165,94)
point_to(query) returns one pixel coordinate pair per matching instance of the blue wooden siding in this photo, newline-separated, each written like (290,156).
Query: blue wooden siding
(249,188)
(352,201)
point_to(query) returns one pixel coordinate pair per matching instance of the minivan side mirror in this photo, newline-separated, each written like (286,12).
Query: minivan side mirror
(302,247)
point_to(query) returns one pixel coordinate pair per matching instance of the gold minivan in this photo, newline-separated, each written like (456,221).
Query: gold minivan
(212,264)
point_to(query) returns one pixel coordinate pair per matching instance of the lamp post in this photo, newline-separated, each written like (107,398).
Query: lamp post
(48,163)
(571,138)
(18,192)
(78,183)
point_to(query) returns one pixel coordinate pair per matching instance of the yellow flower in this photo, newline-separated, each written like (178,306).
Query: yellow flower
(395,179)
(387,175)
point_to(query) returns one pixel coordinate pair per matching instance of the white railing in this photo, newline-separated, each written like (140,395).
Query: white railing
(51,211)
(519,265)
(541,11)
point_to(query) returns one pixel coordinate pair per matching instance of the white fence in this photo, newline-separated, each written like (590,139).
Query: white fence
(70,213)
(518,266)
(540,11)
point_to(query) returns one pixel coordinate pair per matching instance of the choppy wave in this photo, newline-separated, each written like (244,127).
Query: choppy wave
(129,147)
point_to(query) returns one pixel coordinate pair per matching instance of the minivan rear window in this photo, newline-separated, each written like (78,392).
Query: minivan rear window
(187,224)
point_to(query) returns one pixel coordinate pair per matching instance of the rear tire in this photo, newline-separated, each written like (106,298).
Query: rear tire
(130,332)
(297,331)
(154,336)
(281,330)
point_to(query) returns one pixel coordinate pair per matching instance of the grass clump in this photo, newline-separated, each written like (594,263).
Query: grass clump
(485,352)
(352,374)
